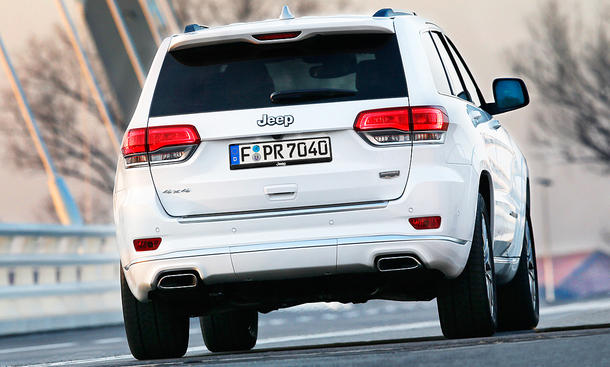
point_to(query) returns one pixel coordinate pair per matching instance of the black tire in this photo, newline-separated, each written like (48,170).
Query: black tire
(467,306)
(518,301)
(230,331)
(154,330)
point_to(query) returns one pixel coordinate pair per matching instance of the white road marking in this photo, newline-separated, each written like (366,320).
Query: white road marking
(390,308)
(277,322)
(372,311)
(37,347)
(83,361)
(352,314)
(352,332)
(110,340)
(329,316)
(574,307)
(304,318)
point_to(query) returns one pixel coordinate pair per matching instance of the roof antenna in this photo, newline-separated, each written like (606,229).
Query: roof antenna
(286,14)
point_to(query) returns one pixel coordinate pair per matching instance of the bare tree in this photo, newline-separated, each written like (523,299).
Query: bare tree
(569,66)
(68,120)
(63,107)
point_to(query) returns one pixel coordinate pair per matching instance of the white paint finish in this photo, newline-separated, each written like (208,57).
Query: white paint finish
(434,187)
(308,26)
(351,176)
(282,264)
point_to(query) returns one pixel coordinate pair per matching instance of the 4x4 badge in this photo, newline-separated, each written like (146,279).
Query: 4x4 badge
(285,120)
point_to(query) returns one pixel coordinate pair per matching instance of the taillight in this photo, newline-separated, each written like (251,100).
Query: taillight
(146,244)
(276,36)
(425,222)
(159,144)
(397,126)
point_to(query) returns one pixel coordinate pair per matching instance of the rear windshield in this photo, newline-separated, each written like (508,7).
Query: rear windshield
(241,75)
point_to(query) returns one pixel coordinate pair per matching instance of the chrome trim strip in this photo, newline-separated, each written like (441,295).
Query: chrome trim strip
(180,255)
(282,212)
(506,260)
(237,249)
(397,238)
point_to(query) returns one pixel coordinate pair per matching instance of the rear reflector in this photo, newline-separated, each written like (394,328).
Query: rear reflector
(425,222)
(276,36)
(166,144)
(147,244)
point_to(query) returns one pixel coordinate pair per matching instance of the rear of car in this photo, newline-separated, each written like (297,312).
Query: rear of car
(283,162)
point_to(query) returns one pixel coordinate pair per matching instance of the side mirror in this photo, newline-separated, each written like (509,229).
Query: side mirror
(509,94)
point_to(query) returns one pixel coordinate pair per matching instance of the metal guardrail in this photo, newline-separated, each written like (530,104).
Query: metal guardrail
(54,276)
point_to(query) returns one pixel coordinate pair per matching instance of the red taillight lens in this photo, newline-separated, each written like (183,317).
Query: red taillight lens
(396,126)
(425,222)
(429,119)
(389,118)
(164,144)
(165,136)
(134,142)
(276,36)
(147,244)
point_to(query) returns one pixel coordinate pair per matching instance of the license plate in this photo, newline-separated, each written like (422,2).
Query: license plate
(280,153)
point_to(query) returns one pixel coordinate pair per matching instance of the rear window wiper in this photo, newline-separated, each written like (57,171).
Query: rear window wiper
(298,95)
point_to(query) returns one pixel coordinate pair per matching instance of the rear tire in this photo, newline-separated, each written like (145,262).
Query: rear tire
(518,301)
(467,305)
(154,330)
(230,331)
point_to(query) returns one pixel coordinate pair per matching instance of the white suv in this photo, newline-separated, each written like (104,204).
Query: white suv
(281,162)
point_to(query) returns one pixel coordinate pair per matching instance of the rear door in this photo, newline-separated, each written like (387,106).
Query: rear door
(297,149)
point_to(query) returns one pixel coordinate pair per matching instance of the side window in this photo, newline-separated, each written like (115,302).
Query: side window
(436,66)
(471,86)
(454,78)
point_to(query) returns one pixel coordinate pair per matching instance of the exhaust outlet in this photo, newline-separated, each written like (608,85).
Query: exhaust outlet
(395,263)
(177,281)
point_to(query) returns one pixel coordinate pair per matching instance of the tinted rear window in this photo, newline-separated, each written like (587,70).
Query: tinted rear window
(242,75)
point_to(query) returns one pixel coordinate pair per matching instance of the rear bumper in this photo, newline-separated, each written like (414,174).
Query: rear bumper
(287,260)
(299,243)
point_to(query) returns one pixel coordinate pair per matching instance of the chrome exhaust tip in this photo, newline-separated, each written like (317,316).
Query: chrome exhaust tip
(177,281)
(395,263)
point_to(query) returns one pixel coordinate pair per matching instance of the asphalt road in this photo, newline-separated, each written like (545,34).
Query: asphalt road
(379,333)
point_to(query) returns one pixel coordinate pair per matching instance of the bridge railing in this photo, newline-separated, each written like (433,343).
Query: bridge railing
(54,277)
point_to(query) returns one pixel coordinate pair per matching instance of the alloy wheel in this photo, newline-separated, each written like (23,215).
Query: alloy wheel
(489,281)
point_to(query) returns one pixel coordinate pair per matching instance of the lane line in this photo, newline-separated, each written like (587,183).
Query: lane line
(352,332)
(37,347)
(110,340)
(84,361)
(574,307)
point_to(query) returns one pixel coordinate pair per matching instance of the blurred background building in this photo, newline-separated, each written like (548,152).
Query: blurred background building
(559,48)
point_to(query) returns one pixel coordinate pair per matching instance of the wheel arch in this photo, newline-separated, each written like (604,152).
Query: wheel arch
(486,190)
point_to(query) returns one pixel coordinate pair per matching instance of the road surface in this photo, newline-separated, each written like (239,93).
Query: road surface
(382,333)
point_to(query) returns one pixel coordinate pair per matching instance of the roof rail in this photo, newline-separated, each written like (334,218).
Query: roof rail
(194,27)
(389,13)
